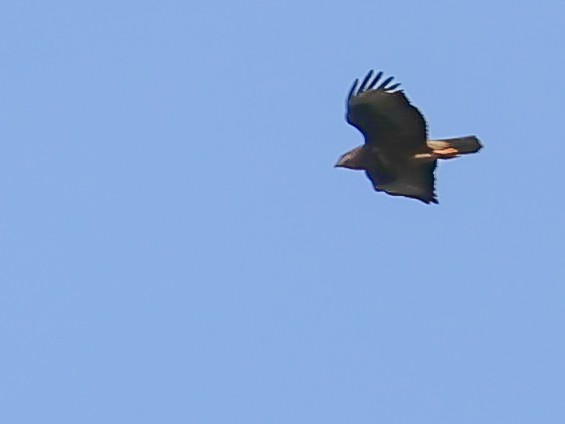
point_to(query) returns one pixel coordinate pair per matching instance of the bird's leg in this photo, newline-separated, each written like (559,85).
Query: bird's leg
(447,153)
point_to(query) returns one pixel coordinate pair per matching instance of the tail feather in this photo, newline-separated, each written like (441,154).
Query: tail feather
(463,145)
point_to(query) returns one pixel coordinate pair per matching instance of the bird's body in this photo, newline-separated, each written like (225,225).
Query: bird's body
(397,156)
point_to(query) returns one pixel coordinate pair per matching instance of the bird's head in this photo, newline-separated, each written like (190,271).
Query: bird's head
(354,159)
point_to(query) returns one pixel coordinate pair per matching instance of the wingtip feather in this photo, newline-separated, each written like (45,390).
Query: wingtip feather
(385,83)
(352,89)
(375,80)
(365,81)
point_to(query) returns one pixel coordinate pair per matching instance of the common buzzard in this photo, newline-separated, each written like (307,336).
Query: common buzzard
(397,156)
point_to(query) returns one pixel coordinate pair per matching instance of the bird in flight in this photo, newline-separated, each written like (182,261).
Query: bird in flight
(397,156)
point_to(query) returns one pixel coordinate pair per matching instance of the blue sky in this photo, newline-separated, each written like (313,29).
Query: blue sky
(176,246)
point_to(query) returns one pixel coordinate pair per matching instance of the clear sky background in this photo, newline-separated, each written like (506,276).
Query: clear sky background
(176,246)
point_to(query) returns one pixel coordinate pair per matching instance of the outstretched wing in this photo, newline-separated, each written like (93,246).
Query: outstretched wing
(384,116)
(405,178)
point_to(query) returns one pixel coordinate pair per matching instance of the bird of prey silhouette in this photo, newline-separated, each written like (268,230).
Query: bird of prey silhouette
(397,156)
